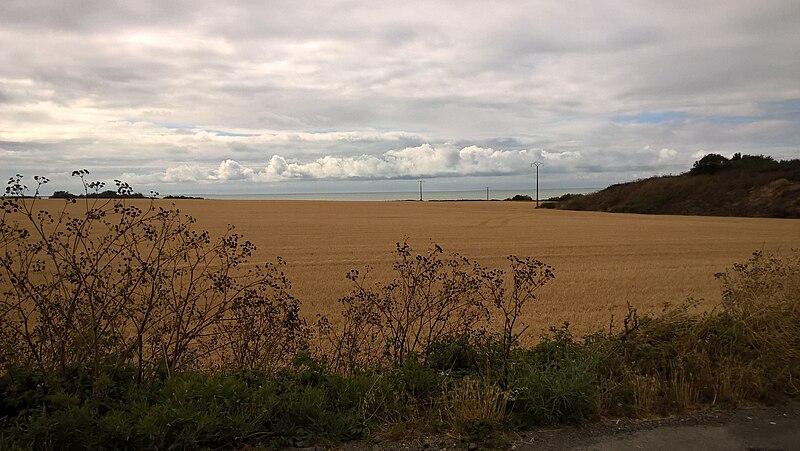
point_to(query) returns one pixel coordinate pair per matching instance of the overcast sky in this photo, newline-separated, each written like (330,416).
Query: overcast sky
(285,96)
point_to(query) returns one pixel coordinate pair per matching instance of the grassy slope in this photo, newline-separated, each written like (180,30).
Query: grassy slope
(726,193)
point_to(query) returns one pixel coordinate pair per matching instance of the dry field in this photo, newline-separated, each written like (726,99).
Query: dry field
(602,260)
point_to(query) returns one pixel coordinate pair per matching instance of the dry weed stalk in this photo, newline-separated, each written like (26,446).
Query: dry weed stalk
(116,284)
(509,296)
(762,296)
(430,297)
(475,400)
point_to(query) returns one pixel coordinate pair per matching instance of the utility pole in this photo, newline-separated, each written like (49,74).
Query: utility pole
(420,190)
(487,193)
(537,164)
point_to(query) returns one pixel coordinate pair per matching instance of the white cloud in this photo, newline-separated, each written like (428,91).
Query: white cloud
(666,154)
(184,173)
(231,170)
(423,161)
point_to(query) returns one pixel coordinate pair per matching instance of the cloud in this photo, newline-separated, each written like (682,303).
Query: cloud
(349,89)
(231,170)
(184,173)
(667,154)
(422,161)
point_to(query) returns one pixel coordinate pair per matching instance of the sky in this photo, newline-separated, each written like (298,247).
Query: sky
(261,96)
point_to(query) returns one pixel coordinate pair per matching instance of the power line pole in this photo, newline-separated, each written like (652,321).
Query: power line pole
(537,164)
(420,190)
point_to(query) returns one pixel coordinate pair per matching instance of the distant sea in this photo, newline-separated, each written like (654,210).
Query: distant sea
(393,196)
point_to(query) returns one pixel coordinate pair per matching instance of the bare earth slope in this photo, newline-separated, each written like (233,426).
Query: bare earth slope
(727,193)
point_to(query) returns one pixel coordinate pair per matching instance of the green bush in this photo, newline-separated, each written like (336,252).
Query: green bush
(476,352)
(562,393)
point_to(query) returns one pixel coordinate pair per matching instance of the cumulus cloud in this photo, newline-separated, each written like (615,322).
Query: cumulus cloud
(423,161)
(231,170)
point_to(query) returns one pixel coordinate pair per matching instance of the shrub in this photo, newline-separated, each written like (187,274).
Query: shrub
(476,352)
(761,306)
(566,392)
(521,197)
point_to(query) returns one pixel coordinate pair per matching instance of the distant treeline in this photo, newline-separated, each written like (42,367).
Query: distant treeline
(520,198)
(111,194)
(744,185)
(180,197)
(107,194)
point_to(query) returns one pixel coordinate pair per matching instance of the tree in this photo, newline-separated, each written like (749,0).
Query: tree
(709,164)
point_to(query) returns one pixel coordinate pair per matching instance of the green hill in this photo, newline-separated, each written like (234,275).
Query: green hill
(749,185)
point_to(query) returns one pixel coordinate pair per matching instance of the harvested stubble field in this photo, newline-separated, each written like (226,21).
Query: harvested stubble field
(602,260)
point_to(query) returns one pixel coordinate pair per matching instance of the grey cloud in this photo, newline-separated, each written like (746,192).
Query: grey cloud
(513,76)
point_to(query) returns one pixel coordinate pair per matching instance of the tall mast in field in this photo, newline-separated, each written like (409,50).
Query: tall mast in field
(537,164)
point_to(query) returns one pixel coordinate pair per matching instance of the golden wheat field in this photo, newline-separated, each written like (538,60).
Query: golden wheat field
(602,260)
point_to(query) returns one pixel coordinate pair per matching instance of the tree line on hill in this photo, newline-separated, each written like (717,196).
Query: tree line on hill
(714,163)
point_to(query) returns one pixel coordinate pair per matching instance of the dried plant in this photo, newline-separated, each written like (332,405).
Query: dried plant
(475,400)
(430,297)
(111,281)
(508,294)
(264,329)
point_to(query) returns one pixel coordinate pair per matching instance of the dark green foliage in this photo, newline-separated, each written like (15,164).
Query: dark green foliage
(196,410)
(520,197)
(476,352)
(713,163)
(562,393)
(709,164)
(107,194)
(62,195)
(422,384)
(555,381)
